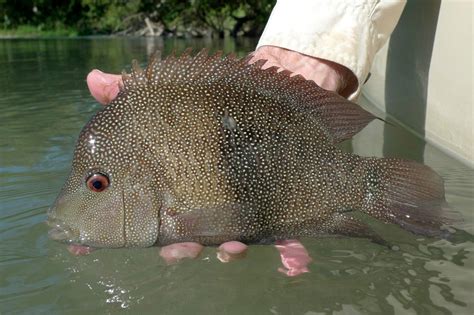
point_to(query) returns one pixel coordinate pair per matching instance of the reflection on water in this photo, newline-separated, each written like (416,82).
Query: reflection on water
(44,103)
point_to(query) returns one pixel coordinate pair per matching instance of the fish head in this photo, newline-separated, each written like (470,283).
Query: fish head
(110,198)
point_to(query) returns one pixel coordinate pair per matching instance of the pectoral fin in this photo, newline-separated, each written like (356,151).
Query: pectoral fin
(210,225)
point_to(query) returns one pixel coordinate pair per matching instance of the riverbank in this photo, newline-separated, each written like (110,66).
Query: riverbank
(169,18)
(147,29)
(28,31)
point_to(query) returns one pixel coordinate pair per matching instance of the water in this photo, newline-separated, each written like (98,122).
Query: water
(44,102)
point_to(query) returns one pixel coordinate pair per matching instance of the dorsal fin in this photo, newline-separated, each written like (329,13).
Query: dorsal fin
(341,117)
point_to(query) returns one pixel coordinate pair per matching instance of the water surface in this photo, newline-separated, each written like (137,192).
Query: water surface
(44,103)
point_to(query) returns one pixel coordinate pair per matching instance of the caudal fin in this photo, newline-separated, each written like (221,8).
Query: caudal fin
(406,193)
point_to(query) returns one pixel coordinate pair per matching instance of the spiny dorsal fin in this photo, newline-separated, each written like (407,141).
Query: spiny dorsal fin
(341,117)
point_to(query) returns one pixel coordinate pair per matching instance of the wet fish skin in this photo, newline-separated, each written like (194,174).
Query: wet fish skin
(210,149)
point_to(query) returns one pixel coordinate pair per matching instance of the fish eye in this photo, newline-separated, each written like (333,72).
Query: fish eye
(97,182)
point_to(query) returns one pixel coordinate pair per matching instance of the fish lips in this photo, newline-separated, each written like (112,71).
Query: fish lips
(60,232)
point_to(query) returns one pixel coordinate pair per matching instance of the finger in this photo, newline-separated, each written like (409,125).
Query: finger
(176,252)
(104,87)
(79,250)
(230,251)
(294,257)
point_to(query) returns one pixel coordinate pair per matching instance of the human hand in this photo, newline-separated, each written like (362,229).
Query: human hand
(104,88)
(327,74)
(331,76)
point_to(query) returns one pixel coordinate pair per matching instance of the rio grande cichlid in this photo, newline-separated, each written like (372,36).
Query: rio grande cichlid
(212,149)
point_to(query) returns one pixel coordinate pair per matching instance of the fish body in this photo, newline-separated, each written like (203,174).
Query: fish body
(212,149)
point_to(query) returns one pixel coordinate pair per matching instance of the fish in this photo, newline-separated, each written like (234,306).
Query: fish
(210,148)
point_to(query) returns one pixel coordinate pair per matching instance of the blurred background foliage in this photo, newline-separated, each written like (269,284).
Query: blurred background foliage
(188,18)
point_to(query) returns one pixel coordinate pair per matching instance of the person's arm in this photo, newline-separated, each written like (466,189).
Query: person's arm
(332,42)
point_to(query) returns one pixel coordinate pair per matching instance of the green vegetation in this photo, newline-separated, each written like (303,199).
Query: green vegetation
(38,31)
(140,18)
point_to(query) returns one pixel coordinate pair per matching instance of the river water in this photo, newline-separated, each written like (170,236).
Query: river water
(44,102)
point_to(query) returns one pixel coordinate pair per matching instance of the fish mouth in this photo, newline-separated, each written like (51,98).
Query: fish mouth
(60,232)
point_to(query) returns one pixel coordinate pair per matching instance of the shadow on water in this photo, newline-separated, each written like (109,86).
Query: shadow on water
(408,65)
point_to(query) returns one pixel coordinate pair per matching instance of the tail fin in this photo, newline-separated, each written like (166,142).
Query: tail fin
(406,193)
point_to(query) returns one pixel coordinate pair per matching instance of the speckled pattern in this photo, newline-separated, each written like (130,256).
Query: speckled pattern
(211,149)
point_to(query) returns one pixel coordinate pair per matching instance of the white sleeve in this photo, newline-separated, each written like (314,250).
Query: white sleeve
(348,32)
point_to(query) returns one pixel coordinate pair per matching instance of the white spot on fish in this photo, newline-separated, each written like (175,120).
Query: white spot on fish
(91,144)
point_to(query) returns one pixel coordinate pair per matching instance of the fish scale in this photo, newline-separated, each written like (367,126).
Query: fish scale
(212,149)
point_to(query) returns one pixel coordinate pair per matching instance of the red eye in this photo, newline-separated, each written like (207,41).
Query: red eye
(98,182)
